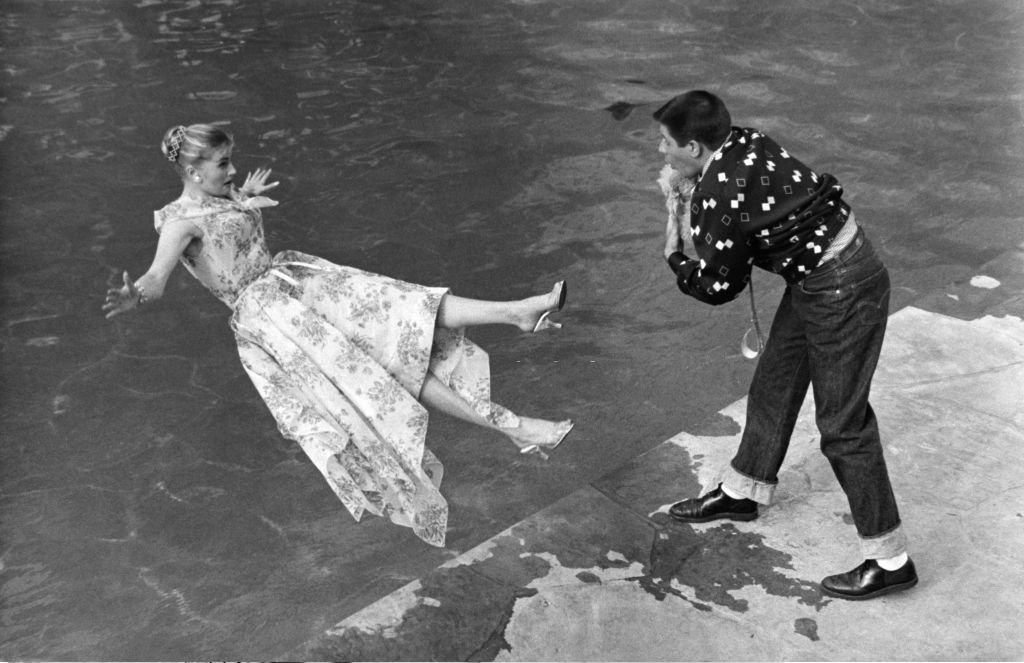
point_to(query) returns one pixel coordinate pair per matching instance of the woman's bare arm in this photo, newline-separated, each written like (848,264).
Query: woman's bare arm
(175,237)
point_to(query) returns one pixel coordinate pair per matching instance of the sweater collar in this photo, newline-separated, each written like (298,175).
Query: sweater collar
(717,154)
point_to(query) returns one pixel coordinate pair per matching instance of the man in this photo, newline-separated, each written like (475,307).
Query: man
(753,204)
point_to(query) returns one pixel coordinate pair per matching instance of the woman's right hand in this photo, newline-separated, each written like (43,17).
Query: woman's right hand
(256,183)
(122,300)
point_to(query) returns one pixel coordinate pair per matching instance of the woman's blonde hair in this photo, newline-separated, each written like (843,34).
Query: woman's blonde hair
(185,145)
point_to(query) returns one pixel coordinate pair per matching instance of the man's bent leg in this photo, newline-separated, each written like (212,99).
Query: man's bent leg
(776,394)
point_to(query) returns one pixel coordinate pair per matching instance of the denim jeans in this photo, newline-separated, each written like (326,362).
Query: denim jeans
(827,333)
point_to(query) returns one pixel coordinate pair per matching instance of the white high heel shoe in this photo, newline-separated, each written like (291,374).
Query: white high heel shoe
(543,322)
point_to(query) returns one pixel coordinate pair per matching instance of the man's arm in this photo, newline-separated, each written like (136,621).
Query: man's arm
(720,271)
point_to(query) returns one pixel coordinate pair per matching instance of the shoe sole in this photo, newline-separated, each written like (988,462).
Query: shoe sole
(744,517)
(870,595)
(563,293)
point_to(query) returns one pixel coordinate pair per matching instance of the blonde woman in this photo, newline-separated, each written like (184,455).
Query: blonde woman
(345,359)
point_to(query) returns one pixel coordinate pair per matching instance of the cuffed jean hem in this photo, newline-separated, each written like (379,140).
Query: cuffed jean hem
(889,544)
(748,487)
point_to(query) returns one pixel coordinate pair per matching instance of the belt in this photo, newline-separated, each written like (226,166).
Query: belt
(846,253)
(277,271)
(845,235)
(846,242)
(287,278)
(280,273)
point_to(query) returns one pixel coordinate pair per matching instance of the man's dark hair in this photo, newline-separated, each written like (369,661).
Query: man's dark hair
(696,115)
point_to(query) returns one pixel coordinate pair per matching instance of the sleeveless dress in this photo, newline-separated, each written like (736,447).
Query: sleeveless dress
(339,356)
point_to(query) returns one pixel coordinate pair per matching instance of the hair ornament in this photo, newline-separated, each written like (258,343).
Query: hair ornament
(174,143)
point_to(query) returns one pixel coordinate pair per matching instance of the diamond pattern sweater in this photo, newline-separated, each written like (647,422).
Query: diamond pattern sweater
(756,205)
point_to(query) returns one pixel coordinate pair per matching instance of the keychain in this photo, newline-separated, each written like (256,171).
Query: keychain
(747,345)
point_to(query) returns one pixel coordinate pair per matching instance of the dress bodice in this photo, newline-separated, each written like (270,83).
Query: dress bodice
(232,251)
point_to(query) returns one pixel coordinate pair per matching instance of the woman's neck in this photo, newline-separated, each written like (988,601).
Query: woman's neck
(194,192)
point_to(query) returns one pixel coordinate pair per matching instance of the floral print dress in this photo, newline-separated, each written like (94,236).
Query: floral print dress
(339,355)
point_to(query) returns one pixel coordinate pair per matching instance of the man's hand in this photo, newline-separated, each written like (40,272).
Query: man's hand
(673,242)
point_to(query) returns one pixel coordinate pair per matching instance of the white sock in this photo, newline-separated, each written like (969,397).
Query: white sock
(731,493)
(893,563)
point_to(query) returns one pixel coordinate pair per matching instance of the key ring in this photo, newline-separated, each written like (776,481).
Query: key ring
(747,347)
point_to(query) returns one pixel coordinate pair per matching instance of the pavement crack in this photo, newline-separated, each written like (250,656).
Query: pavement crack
(496,642)
(994,496)
(945,379)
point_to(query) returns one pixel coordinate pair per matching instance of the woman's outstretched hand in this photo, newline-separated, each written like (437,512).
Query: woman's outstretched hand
(121,300)
(256,182)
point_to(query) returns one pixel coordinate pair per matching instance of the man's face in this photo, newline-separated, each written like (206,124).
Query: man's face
(684,158)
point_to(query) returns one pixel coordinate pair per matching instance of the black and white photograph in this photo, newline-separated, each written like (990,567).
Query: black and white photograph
(511,330)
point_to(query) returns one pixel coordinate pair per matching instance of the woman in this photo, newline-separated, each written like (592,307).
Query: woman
(344,359)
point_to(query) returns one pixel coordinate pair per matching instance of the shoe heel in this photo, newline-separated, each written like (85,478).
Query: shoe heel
(544,323)
(534,450)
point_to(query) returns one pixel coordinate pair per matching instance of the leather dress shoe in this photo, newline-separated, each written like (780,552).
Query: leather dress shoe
(869,580)
(713,506)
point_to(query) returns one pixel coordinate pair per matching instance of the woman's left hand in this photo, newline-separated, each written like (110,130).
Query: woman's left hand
(256,182)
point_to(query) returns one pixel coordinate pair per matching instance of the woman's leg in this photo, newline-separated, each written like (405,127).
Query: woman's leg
(439,396)
(457,312)
(530,432)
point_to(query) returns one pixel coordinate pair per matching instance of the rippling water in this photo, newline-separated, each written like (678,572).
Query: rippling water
(457,142)
(440,139)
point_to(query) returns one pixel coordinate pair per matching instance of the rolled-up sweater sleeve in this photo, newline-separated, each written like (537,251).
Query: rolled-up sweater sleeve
(721,269)
(755,204)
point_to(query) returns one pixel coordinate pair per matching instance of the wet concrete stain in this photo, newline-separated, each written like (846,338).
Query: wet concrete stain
(715,424)
(660,590)
(462,612)
(710,562)
(719,561)
(807,627)
(605,528)
(461,616)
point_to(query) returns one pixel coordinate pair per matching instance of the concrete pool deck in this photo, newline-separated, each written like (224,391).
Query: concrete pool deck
(605,574)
